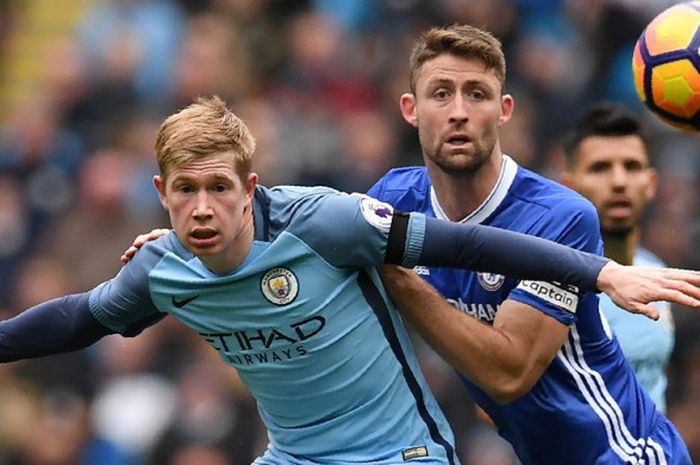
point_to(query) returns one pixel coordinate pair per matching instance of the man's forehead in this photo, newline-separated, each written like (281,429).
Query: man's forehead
(613,147)
(210,167)
(450,69)
(607,149)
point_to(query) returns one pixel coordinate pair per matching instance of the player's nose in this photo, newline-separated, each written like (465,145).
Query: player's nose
(458,109)
(202,207)
(618,177)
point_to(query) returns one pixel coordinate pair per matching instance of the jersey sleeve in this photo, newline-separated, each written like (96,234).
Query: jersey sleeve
(574,224)
(59,325)
(346,230)
(123,303)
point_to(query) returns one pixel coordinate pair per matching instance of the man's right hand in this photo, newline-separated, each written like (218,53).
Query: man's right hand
(140,240)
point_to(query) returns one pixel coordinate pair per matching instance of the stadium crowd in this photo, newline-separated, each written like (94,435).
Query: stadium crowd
(318,82)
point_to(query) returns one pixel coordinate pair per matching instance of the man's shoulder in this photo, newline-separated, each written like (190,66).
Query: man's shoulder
(286,202)
(285,194)
(537,189)
(404,178)
(542,207)
(153,255)
(404,188)
(403,172)
(304,211)
(153,251)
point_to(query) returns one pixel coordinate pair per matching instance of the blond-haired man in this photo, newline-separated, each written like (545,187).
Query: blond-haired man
(283,283)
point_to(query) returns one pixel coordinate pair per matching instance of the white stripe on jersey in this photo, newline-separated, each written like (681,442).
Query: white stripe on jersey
(655,447)
(595,392)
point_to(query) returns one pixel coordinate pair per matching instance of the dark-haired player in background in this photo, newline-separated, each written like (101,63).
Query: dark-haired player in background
(608,163)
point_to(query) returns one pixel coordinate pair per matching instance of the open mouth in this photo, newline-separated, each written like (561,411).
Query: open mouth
(203,237)
(203,233)
(458,140)
(619,208)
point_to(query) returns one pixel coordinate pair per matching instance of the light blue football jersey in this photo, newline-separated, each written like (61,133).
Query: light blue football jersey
(647,344)
(587,408)
(308,326)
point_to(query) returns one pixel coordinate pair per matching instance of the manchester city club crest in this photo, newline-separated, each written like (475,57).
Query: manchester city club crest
(280,286)
(491,281)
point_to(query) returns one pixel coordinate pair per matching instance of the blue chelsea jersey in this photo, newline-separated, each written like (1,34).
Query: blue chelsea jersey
(587,407)
(647,344)
(307,325)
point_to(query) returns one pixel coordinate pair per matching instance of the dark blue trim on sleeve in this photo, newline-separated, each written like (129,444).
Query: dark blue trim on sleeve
(261,214)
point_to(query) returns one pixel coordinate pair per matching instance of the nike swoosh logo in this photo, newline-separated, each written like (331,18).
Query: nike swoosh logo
(182,303)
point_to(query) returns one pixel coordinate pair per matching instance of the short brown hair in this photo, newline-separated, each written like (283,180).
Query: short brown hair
(460,40)
(205,127)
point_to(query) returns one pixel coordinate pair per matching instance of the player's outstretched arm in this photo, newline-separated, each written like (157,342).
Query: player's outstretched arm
(484,248)
(59,325)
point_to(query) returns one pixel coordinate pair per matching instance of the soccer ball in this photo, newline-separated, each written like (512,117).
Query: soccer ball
(666,65)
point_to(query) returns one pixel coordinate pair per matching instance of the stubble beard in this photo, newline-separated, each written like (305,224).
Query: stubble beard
(460,163)
(618,232)
(620,228)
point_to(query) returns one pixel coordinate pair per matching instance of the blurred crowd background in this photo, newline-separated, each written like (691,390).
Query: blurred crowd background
(85,83)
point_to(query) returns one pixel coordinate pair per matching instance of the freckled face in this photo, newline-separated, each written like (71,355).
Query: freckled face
(457,108)
(209,208)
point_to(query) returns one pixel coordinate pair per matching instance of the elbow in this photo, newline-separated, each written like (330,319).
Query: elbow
(506,391)
(513,381)
(503,397)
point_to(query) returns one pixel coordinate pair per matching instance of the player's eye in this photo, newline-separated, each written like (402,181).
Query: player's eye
(441,94)
(633,165)
(219,188)
(599,167)
(185,188)
(477,95)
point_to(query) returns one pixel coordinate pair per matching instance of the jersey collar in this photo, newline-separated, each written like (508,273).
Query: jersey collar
(505,179)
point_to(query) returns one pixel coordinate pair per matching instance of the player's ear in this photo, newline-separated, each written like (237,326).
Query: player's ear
(566,179)
(160,187)
(507,105)
(249,187)
(250,184)
(408,108)
(652,184)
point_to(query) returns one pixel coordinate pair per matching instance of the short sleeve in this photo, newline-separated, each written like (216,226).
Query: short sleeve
(574,224)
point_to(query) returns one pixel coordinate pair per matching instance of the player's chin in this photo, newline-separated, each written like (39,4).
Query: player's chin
(618,227)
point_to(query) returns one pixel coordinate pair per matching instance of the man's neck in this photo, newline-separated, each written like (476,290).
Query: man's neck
(621,247)
(460,194)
